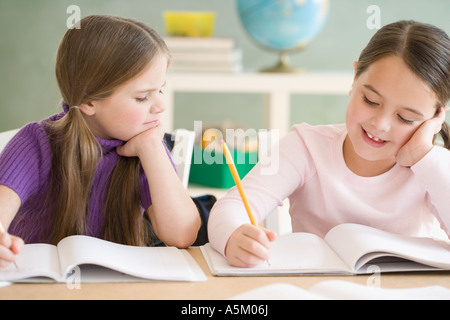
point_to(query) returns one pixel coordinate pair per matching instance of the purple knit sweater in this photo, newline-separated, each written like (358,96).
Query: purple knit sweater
(25,168)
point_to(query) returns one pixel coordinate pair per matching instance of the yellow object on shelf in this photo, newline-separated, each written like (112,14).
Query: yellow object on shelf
(189,23)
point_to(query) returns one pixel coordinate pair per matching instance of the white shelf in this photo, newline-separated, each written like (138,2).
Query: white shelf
(278,89)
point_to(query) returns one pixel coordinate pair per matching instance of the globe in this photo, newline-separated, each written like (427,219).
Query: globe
(283,26)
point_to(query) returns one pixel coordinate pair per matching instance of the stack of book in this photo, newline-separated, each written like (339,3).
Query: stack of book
(193,54)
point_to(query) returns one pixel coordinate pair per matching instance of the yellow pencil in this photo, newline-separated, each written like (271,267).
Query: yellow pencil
(237,181)
(3,230)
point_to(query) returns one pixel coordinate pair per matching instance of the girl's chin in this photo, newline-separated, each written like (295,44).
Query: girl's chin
(369,149)
(374,155)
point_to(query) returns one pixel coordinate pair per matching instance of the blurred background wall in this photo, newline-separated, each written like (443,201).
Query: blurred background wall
(30,32)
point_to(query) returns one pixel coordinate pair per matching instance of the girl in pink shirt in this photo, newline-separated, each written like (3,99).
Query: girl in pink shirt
(380,169)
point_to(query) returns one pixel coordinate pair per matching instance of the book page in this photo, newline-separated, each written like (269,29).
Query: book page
(342,290)
(358,244)
(296,253)
(306,252)
(157,263)
(34,260)
(97,274)
(278,291)
(345,290)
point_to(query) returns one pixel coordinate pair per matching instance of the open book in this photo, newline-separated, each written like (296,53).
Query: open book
(98,260)
(342,290)
(346,249)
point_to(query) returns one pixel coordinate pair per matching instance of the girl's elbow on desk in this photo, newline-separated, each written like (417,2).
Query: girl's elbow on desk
(181,233)
(182,239)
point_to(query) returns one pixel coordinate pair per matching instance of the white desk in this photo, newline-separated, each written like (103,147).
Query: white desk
(214,288)
(277,88)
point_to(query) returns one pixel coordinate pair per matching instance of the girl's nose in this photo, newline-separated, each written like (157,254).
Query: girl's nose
(158,106)
(381,122)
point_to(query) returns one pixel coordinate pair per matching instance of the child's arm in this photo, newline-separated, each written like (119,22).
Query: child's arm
(431,166)
(433,173)
(229,229)
(10,246)
(173,214)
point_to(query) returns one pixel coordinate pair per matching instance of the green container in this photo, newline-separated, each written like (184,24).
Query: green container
(210,169)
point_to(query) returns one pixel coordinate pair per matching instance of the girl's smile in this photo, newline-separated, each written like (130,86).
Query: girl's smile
(372,140)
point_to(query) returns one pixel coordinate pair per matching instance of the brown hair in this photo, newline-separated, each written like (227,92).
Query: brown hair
(424,48)
(91,63)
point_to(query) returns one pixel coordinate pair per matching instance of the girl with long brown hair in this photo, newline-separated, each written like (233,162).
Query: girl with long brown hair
(100,167)
(381,168)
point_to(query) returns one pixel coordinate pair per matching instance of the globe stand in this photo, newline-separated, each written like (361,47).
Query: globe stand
(283,66)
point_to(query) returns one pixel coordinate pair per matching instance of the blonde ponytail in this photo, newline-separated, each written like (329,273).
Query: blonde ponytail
(75,155)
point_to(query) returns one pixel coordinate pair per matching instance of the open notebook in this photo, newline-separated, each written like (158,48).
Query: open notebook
(346,249)
(101,261)
(342,290)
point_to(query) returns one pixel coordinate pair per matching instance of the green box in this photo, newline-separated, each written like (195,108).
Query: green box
(211,170)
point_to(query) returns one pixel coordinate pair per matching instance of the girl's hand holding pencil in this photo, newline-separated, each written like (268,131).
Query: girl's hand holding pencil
(10,247)
(248,245)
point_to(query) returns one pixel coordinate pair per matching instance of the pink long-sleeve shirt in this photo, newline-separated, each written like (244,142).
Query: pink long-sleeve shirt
(323,192)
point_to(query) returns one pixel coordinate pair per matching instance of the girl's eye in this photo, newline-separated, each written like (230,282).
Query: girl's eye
(405,120)
(161,92)
(370,103)
(142,99)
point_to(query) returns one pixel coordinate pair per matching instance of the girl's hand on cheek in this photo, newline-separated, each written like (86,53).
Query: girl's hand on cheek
(137,144)
(422,140)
